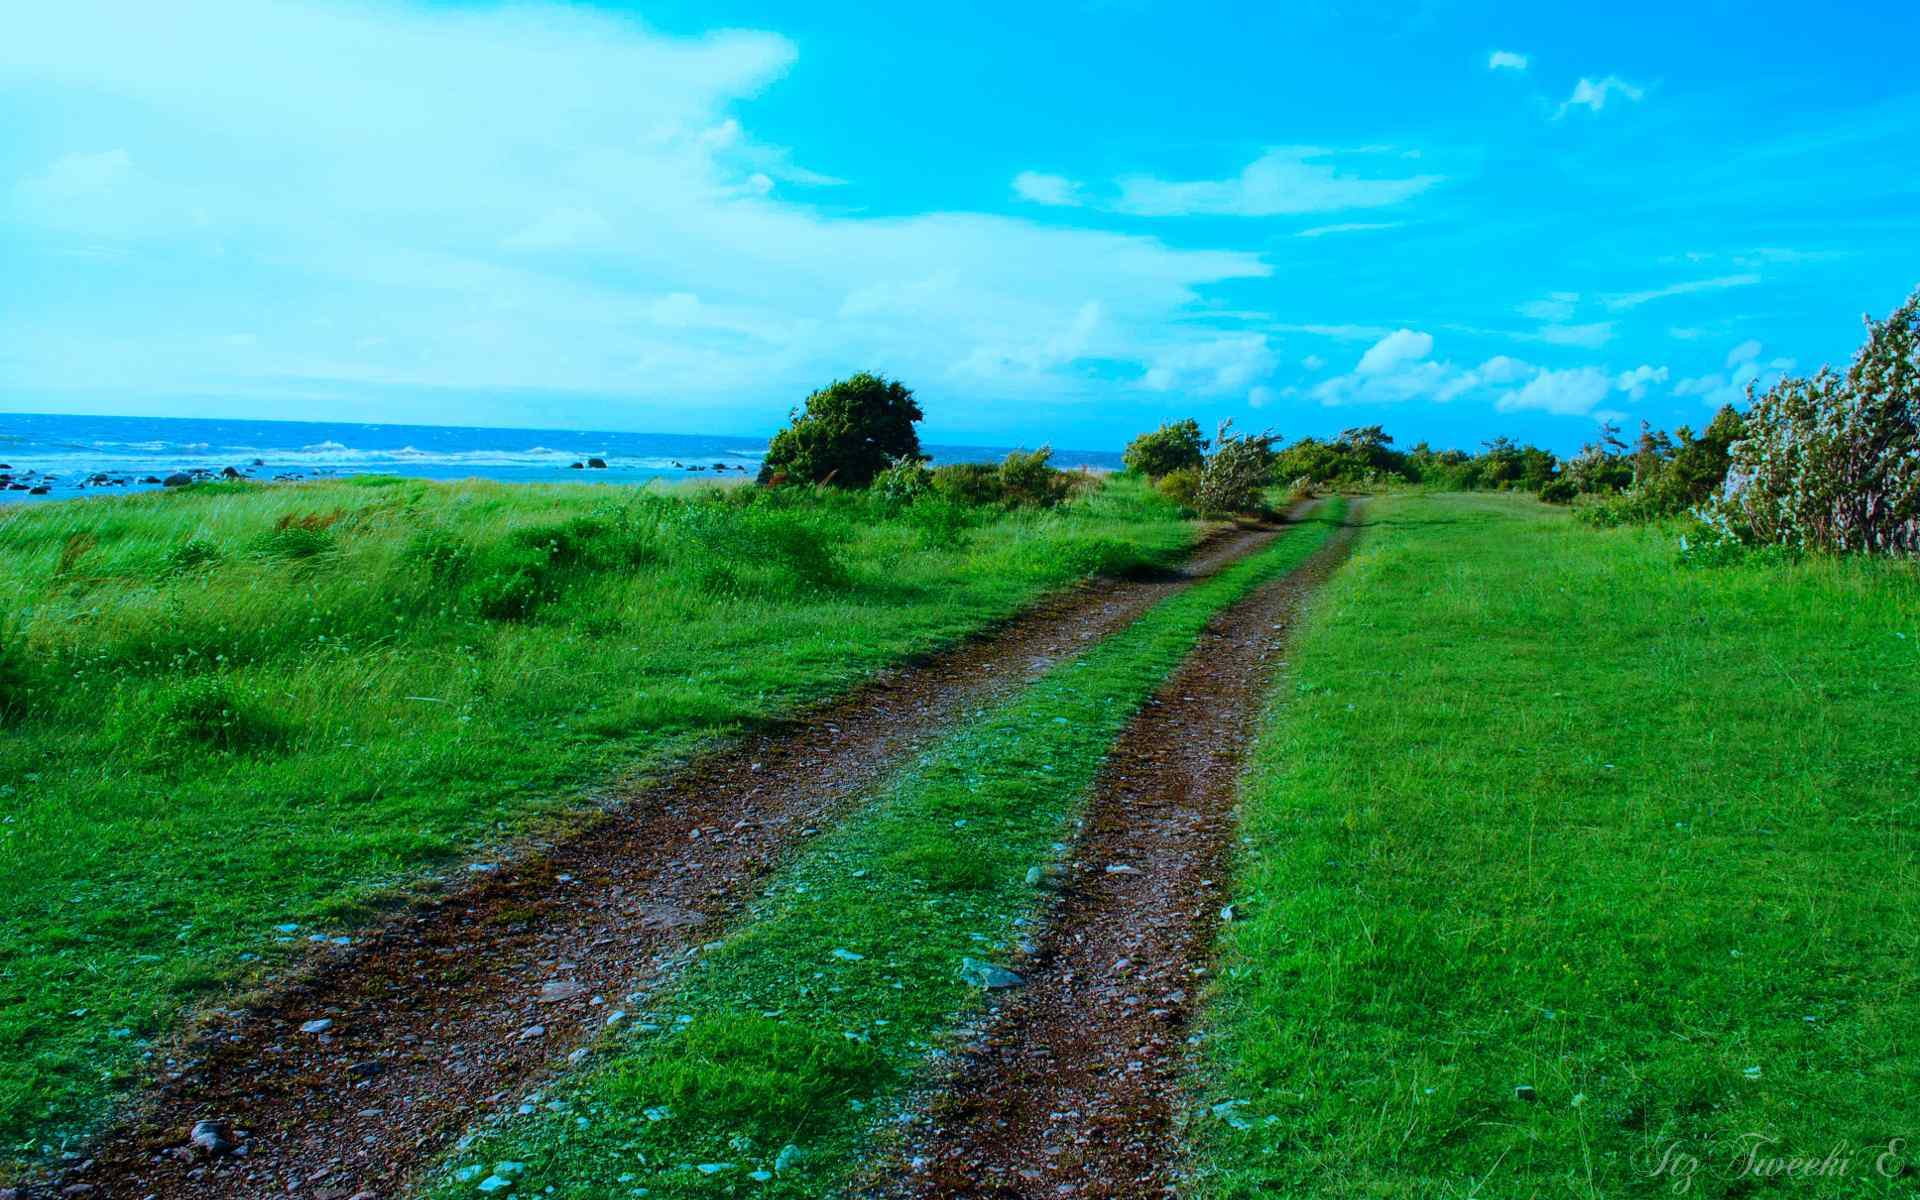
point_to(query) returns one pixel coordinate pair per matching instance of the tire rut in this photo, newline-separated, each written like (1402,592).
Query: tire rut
(1070,1086)
(457,1007)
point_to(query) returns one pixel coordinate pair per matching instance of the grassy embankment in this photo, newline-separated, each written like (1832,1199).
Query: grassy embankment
(762,1068)
(236,708)
(1576,872)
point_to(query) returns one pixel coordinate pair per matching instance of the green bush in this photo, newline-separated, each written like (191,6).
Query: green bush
(511,593)
(206,711)
(1559,491)
(1175,446)
(940,523)
(848,432)
(194,554)
(972,484)
(903,482)
(1028,479)
(1181,486)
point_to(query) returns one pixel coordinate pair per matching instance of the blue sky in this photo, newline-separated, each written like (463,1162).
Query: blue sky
(1060,222)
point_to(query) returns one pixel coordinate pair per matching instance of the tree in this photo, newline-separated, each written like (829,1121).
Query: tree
(847,433)
(1236,473)
(1176,445)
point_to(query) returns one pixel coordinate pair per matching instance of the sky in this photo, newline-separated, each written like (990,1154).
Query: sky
(1061,222)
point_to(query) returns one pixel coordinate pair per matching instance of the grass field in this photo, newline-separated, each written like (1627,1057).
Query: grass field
(1573,871)
(784,1044)
(231,715)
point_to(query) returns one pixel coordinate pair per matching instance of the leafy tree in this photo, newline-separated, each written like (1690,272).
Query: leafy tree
(1175,446)
(848,432)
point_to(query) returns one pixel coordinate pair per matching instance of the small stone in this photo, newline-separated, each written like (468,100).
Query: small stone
(847,955)
(986,975)
(714,1168)
(1035,875)
(494,1183)
(1525,1092)
(556,990)
(468,1174)
(1226,914)
(317,1025)
(578,1056)
(790,1156)
(510,1170)
(1121,869)
(533,1031)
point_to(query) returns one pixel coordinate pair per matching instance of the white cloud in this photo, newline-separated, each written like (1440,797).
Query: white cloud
(1286,181)
(1636,299)
(1041,188)
(541,197)
(1593,94)
(1745,352)
(1636,382)
(1348,227)
(1506,60)
(1219,365)
(1397,348)
(1743,366)
(1313,362)
(1574,392)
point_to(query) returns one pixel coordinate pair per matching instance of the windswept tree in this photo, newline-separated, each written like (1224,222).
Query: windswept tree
(847,433)
(1175,446)
(1833,462)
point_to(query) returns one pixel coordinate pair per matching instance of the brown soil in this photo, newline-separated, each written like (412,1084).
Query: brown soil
(1070,1086)
(457,1008)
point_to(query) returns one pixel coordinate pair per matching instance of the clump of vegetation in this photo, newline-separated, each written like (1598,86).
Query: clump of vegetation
(973,484)
(206,711)
(733,1070)
(905,480)
(194,554)
(16,673)
(847,433)
(1236,474)
(1028,478)
(1181,486)
(1175,446)
(1832,463)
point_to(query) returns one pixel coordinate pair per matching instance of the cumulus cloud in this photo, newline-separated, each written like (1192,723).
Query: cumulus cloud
(1041,188)
(1506,60)
(1636,382)
(1397,348)
(1285,181)
(1593,94)
(1570,393)
(1745,352)
(542,197)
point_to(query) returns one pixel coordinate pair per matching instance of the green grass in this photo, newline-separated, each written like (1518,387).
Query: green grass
(236,707)
(802,1027)
(1541,807)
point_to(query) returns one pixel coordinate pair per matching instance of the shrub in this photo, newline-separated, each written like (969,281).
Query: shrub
(969,483)
(1833,463)
(1026,478)
(1559,491)
(904,481)
(511,593)
(847,433)
(1236,473)
(206,711)
(1175,446)
(1181,486)
(194,554)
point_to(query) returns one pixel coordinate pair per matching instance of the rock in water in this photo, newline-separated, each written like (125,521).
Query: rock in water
(596,464)
(987,975)
(177,479)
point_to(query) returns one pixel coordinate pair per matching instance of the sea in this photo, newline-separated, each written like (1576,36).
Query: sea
(60,457)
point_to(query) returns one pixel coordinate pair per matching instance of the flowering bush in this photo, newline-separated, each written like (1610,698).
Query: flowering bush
(1833,462)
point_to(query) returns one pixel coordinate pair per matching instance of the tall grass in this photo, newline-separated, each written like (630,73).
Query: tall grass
(237,707)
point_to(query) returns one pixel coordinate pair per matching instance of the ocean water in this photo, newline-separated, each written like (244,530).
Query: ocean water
(67,454)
